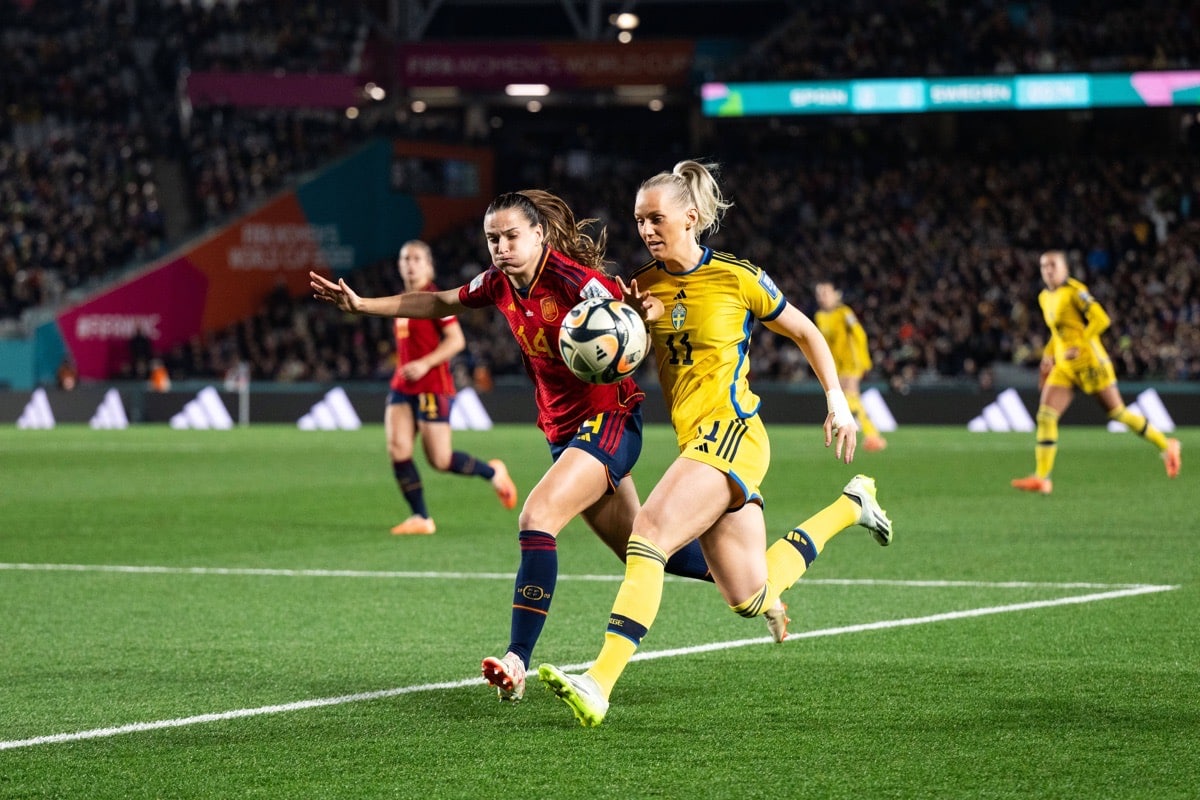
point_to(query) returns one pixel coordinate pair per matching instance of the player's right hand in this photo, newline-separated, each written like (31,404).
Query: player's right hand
(646,304)
(338,294)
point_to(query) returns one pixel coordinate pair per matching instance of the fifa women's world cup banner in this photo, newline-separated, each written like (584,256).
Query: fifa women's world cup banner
(350,215)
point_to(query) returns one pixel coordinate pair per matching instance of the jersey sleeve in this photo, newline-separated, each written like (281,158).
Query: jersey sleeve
(763,297)
(1081,297)
(481,292)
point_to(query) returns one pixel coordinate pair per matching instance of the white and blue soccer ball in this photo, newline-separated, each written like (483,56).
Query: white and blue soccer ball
(602,340)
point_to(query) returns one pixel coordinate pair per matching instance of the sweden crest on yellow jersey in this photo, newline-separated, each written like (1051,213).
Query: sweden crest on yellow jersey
(678,315)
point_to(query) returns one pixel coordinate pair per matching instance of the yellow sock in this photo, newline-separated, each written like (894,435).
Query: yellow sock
(789,557)
(633,611)
(831,520)
(757,603)
(1139,425)
(860,414)
(1047,441)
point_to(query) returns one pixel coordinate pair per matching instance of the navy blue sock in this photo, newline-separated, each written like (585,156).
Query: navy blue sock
(409,481)
(534,589)
(803,543)
(464,464)
(688,562)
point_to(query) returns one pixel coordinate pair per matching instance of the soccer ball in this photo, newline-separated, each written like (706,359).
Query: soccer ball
(602,340)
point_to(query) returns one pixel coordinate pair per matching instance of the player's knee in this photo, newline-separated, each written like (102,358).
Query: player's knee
(537,516)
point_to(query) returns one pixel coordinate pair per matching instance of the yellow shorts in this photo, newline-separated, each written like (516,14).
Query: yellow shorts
(1090,372)
(848,368)
(850,373)
(738,447)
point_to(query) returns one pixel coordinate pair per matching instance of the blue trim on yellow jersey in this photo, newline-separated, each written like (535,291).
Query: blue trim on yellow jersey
(778,309)
(743,355)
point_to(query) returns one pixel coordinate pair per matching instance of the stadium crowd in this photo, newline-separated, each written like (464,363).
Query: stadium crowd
(939,257)
(937,251)
(828,39)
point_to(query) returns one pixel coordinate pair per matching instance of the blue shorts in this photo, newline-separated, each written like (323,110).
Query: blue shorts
(426,406)
(613,438)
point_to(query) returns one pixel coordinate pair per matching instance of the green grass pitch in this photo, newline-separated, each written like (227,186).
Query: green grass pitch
(204,614)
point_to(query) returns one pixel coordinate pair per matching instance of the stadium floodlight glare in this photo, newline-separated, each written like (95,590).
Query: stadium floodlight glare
(527,90)
(625,21)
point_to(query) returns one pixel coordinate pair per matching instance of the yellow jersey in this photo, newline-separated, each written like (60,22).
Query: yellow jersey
(702,341)
(1075,319)
(847,340)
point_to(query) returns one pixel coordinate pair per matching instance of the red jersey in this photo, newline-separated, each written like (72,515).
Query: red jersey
(534,315)
(416,338)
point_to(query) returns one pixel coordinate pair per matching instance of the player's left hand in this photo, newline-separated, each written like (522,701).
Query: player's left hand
(840,425)
(845,433)
(649,306)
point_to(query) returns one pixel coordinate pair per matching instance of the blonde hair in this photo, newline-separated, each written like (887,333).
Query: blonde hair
(693,184)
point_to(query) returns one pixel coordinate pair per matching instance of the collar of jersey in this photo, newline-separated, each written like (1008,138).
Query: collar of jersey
(705,257)
(537,273)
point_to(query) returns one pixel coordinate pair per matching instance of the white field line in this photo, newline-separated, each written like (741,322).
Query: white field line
(508,576)
(200,719)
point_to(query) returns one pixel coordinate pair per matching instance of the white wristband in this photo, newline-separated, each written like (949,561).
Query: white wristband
(835,402)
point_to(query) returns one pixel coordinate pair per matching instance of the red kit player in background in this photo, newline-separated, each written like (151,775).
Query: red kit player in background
(419,401)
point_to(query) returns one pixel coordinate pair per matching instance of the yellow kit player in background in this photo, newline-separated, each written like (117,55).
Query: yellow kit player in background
(848,343)
(1075,359)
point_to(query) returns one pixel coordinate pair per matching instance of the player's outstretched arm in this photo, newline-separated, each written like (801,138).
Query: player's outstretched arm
(421,305)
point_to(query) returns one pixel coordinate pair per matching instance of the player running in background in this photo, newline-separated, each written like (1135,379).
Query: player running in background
(710,492)
(1074,359)
(543,264)
(421,395)
(848,342)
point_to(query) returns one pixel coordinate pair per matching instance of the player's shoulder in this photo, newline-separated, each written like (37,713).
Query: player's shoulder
(576,280)
(648,270)
(734,264)
(741,269)
(1080,289)
(486,278)
(752,278)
